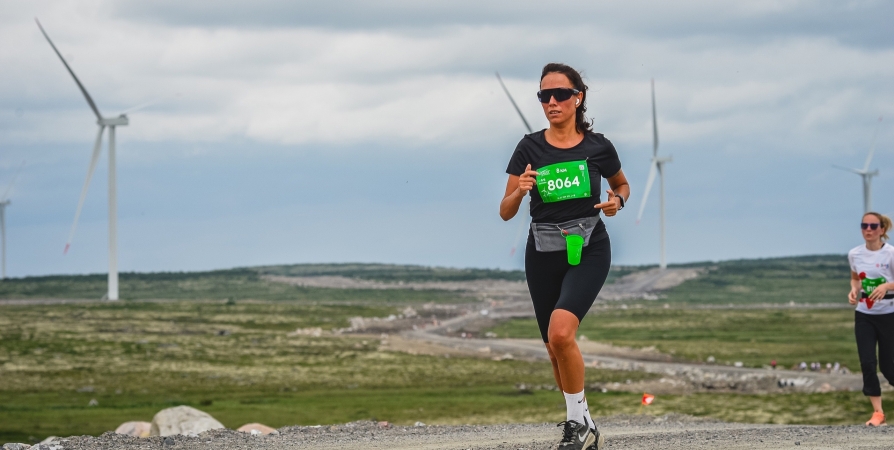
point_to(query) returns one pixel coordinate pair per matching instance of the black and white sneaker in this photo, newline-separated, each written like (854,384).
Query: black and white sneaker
(576,436)
(599,443)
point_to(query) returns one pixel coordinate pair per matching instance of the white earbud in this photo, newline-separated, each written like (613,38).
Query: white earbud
(577,102)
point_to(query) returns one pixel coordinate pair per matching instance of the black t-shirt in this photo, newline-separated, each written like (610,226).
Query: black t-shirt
(602,162)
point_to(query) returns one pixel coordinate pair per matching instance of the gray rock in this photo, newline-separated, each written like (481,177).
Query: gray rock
(135,429)
(182,420)
(13,446)
(256,429)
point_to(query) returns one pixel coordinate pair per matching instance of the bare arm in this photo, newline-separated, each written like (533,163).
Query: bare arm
(619,188)
(516,189)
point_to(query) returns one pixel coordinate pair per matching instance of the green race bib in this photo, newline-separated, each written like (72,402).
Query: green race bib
(563,181)
(869,284)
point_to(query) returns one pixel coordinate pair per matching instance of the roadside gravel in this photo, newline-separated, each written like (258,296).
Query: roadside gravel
(670,432)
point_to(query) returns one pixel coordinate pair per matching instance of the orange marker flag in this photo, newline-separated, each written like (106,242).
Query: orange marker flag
(648,399)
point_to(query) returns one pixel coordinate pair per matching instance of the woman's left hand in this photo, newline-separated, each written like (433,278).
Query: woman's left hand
(610,206)
(879,292)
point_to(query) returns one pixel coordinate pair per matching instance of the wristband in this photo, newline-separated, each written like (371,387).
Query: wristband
(622,203)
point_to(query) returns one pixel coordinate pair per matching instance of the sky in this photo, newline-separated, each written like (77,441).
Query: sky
(284,132)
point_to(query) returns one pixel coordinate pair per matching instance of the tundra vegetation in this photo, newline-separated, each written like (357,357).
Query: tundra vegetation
(224,342)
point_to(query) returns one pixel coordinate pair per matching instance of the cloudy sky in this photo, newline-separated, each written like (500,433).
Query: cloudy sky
(291,131)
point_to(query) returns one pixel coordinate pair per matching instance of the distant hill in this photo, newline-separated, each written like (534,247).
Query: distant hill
(813,279)
(391,272)
(799,279)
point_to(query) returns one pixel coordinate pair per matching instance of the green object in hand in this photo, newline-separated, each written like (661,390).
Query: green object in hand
(575,246)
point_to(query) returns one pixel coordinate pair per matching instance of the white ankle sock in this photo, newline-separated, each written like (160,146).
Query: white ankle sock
(591,424)
(575,405)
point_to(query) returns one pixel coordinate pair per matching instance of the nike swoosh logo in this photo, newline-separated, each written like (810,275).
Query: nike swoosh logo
(583,437)
(580,401)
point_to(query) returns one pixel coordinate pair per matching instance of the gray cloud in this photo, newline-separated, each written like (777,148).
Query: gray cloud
(857,23)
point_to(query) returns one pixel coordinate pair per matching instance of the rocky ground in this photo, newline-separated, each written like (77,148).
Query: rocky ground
(622,432)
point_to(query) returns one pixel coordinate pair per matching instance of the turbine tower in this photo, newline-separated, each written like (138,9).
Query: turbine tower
(102,122)
(522,222)
(657,166)
(4,202)
(865,173)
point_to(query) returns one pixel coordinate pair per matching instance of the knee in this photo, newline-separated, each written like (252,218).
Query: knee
(561,338)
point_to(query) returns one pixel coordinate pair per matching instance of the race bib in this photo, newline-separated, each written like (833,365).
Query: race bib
(869,284)
(563,181)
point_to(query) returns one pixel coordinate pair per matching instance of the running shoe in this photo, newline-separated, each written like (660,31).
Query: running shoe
(877,420)
(575,436)
(599,443)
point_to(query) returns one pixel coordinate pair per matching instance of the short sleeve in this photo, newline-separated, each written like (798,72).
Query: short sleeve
(850,261)
(607,160)
(519,160)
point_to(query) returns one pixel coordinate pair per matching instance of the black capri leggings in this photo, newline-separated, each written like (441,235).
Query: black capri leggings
(872,329)
(555,284)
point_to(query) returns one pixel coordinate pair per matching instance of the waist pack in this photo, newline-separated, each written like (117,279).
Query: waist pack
(550,237)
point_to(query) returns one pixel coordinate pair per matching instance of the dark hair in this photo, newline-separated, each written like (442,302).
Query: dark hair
(574,77)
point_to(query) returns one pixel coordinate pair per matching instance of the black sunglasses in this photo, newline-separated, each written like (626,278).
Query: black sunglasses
(871,226)
(561,94)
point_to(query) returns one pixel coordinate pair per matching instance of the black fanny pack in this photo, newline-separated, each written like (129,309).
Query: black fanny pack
(550,237)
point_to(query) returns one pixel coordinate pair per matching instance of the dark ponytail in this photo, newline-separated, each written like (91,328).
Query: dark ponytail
(583,125)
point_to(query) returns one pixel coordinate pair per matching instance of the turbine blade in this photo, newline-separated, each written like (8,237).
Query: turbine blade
(872,145)
(81,86)
(93,160)
(149,103)
(12,183)
(513,103)
(654,123)
(856,171)
(642,206)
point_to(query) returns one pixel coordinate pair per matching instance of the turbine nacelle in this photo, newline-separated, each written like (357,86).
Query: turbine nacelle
(113,121)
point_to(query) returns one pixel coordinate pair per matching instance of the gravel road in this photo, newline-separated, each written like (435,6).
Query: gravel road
(622,432)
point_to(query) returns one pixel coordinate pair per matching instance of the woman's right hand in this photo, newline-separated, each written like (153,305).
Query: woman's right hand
(526,180)
(852,296)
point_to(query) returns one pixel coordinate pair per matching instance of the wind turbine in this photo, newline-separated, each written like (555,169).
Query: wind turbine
(102,122)
(656,167)
(865,173)
(4,202)
(522,222)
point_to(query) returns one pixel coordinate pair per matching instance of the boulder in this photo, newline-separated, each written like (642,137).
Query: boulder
(135,429)
(182,420)
(256,428)
(15,446)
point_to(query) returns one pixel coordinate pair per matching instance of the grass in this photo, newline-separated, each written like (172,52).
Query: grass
(223,345)
(805,279)
(136,358)
(752,336)
(235,284)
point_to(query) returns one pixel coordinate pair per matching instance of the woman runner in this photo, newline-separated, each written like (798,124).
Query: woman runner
(562,168)
(872,290)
